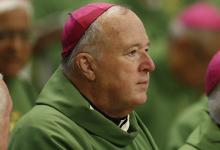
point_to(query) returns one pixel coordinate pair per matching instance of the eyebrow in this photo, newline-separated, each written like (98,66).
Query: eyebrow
(139,45)
(146,46)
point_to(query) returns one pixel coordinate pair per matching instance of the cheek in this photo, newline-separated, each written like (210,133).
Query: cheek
(4,53)
(3,50)
(114,70)
(126,80)
(25,53)
(127,77)
(2,45)
(121,81)
(118,73)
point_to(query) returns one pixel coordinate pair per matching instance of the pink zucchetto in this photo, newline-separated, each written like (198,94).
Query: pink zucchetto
(78,22)
(213,73)
(201,15)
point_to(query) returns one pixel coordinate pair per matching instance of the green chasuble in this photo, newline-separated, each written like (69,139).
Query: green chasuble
(186,123)
(205,137)
(23,96)
(62,119)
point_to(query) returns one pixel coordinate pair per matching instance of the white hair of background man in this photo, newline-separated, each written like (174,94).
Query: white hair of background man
(9,5)
(214,104)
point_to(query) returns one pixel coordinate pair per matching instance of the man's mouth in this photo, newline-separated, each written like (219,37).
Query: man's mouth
(142,82)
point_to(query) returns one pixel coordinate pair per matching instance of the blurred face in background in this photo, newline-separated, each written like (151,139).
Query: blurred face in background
(189,56)
(14,41)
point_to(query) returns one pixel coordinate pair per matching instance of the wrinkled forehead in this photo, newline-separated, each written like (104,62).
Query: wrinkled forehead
(15,18)
(114,15)
(123,19)
(122,29)
(115,10)
(118,19)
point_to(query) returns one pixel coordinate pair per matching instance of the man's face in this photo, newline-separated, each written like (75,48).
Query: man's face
(123,70)
(14,43)
(189,59)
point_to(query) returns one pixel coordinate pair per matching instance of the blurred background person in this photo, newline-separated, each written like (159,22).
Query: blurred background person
(206,131)
(194,40)
(49,19)
(5,110)
(15,51)
(179,81)
(212,87)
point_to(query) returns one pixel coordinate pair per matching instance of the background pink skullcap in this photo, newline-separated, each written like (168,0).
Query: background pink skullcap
(201,15)
(213,73)
(78,22)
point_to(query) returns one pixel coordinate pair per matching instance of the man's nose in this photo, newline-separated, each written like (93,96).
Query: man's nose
(147,64)
(16,43)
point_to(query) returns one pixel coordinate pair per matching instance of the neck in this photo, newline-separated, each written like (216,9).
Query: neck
(115,120)
(107,107)
(99,100)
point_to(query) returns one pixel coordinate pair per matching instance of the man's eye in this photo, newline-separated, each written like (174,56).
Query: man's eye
(132,53)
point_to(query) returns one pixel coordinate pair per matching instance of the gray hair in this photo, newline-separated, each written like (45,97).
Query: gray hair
(86,43)
(214,104)
(9,5)
(93,36)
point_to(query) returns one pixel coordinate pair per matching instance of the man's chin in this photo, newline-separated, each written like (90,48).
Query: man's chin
(140,101)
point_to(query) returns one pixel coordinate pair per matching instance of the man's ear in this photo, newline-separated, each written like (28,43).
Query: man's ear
(86,65)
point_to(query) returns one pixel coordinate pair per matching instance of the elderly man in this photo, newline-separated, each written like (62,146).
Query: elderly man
(15,24)
(5,110)
(88,103)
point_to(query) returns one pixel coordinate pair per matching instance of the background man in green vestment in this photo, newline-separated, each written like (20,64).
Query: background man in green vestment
(5,110)
(206,130)
(193,43)
(15,50)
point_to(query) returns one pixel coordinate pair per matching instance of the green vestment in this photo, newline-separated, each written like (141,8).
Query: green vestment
(62,119)
(23,96)
(186,123)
